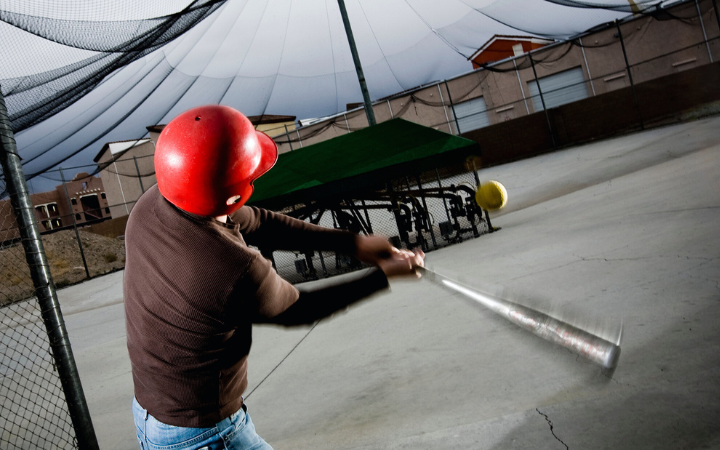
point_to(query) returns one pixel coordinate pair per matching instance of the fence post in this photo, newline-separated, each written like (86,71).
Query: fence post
(452,107)
(442,100)
(702,25)
(542,100)
(587,66)
(44,285)
(632,84)
(522,91)
(287,133)
(137,168)
(72,214)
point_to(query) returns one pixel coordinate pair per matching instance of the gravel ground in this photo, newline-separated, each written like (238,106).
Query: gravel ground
(102,254)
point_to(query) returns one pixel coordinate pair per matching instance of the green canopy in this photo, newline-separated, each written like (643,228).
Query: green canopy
(359,160)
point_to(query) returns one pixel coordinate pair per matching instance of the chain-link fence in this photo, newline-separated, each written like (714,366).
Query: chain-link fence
(33,410)
(42,404)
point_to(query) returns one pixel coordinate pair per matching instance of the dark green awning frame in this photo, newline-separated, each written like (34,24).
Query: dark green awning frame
(358,161)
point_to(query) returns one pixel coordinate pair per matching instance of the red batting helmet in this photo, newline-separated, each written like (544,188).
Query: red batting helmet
(207,158)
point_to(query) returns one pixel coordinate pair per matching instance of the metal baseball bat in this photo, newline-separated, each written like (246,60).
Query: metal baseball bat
(588,345)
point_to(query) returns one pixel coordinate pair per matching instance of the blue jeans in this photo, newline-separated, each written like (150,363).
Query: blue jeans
(237,432)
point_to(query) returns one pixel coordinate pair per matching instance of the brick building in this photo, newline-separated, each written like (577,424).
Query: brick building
(80,201)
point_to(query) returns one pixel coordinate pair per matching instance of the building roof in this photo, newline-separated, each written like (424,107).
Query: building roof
(119,147)
(359,161)
(156,128)
(503,37)
(270,118)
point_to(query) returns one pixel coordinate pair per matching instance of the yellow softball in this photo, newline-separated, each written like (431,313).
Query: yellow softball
(491,196)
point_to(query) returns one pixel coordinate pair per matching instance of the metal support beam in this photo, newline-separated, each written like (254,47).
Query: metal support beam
(358,67)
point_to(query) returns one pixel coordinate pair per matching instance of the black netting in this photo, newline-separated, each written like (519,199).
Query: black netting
(35,97)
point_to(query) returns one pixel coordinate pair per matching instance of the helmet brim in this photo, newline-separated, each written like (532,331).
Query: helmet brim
(269,154)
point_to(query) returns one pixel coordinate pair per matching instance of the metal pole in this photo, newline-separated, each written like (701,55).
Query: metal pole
(137,168)
(632,84)
(367,217)
(72,214)
(427,211)
(442,100)
(587,66)
(452,106)
(287,133)
(358,67)
(44,285)
(437,174)
(521,87)
(542,100)
(402,233)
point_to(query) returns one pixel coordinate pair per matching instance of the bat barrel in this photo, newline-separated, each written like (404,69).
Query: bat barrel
(587,345)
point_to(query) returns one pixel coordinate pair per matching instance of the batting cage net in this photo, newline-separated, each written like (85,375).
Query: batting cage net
(33,410)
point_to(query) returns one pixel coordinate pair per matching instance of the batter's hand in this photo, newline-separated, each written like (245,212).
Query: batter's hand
(378,251)
(371,249)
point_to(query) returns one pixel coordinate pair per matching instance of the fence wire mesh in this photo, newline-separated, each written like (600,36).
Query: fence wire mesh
(33,410)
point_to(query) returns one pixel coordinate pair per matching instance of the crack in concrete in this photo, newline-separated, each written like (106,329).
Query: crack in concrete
(551,428)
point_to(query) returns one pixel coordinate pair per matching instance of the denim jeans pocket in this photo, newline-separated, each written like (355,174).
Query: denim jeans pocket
(161,436)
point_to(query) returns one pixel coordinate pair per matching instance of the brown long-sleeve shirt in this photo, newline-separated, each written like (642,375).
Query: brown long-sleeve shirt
(193,288)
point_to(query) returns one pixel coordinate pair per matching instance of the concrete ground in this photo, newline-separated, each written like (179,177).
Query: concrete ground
(623,230)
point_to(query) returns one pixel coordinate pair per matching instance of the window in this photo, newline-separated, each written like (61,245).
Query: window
(56,223)
(472,115)
(77,216)
(107,210)
(84,185)
(46,224)
(73,201)
(559,89)
(42,212)
(102,196)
